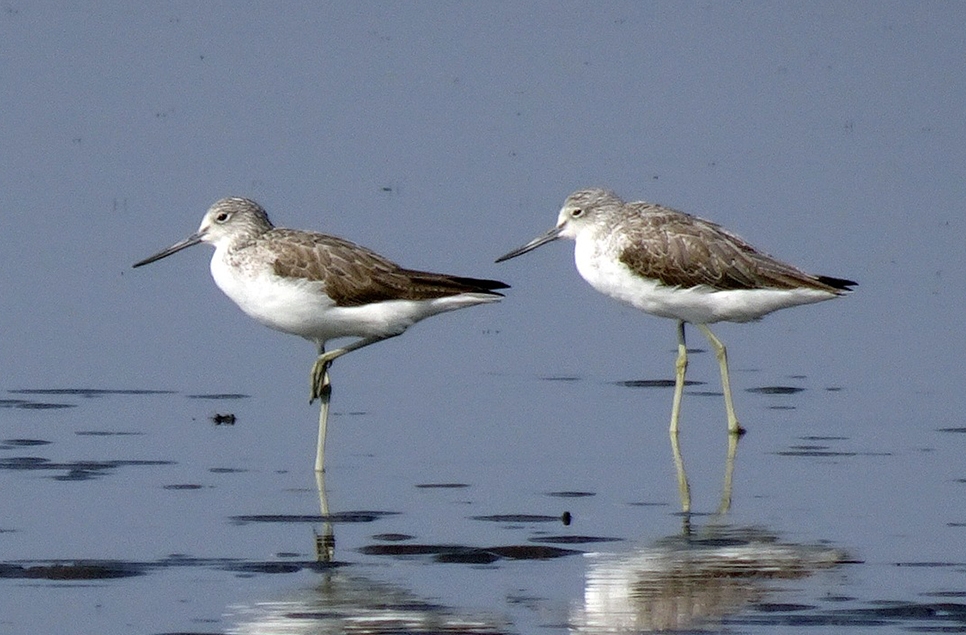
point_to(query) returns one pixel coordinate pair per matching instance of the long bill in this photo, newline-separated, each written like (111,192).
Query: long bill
(551,235)
(193,239)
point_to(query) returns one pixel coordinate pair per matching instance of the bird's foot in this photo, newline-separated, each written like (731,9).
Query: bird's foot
(735,428)
(321,387)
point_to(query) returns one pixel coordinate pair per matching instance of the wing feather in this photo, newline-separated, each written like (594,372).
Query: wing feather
(682,250)
(352,275)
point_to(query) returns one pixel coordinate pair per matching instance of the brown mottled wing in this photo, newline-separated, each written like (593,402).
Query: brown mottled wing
(352,275)
(686,251)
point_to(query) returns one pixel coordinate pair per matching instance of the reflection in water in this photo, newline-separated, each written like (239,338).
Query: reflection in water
(688,582)
(684,489)
(324,541)
(343,603)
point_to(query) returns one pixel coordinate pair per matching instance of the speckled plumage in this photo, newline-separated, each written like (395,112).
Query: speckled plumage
(354,276)
(675,265)
(321,287)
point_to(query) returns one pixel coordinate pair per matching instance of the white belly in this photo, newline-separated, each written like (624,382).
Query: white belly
(698,305)
(302,308)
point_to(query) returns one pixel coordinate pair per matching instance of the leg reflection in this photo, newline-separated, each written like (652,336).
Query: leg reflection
(729,473)
(684,488)
(324,541)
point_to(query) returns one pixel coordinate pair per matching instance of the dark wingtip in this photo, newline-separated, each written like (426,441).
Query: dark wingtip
(479,284)
(490,286)
(840,284)
(496,284)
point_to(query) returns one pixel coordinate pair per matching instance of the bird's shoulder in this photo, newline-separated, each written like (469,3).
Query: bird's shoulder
(318,257)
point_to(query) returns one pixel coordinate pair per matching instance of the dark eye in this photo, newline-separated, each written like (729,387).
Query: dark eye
(222,217)
(577,213)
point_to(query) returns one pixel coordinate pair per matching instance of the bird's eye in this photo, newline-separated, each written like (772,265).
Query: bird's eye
(577,213)
(222,217)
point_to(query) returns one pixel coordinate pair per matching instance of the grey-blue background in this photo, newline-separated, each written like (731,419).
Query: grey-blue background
(830,135)
(443,134)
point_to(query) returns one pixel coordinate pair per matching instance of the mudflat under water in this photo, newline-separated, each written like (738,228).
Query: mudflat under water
(150,511)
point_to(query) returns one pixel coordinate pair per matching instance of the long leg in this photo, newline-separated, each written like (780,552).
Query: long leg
(321,367)
(321,388)
(680,366)
(722,354)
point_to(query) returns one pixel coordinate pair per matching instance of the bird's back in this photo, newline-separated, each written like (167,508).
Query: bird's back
(352,275)
(681,250)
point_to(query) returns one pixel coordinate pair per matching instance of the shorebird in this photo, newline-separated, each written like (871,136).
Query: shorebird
(675,265)
(321,287)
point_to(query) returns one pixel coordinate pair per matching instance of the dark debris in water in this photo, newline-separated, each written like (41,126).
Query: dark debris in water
(776,390)
(933,617)
(73,470)
(23,404)
(461,554)
(517,518)
(570,494)
(108,433)
(817,447)
(654,383)
(9,444)
(392,537)
(87,392)
(953,430)
(822,438)
(814,452)
(441,485)
(221,396)
(75,570)
(264,567)
(227,419)
(573,539)
(86,570)
(339,517)
(532,552)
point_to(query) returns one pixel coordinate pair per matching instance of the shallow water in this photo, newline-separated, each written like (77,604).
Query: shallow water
(134,511)
(503,469)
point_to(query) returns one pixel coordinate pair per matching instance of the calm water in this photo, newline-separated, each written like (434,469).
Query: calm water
(452,520)
(503,469)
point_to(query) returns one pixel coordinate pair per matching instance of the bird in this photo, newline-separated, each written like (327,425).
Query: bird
(675,265)
(321,287)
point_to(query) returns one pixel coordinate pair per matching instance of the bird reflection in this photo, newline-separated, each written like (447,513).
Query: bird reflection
(344,603)
(684,489)
(689,581)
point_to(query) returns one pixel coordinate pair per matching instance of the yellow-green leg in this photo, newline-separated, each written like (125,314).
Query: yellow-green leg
(320,377)
(322,390)
(680,366)
(722,354)
(321,386)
